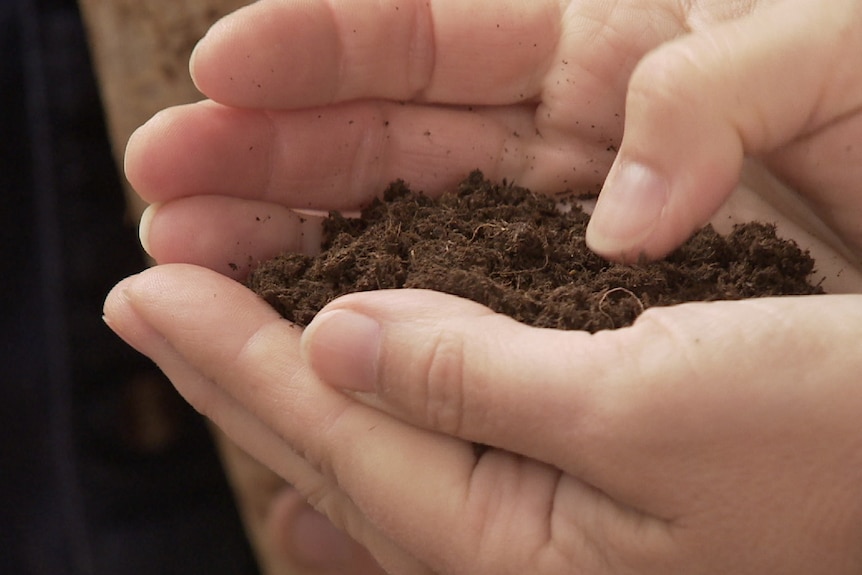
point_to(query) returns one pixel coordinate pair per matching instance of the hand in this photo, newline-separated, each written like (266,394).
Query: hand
(321,105)
(221,133)
(709,438)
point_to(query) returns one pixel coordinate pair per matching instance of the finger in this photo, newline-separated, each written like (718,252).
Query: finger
(291,54)
(454,366)
(286,533)
(339,158)
(226,234)
(199,390)
(624,410)
(243,426)
(410,496)
(697,105)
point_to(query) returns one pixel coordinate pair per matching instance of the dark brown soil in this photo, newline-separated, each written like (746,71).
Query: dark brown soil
(515,252)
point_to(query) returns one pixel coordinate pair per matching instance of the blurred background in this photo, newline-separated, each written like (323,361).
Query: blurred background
(103,468)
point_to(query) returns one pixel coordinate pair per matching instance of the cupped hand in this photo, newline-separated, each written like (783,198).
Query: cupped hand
(318,105)
(708,438)
(689,443)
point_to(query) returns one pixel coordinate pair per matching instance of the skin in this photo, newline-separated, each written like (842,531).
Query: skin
(707,438)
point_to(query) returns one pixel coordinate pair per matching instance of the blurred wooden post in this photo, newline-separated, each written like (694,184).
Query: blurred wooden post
(140,49)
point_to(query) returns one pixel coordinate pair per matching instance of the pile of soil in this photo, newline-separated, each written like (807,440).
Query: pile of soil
(519,254)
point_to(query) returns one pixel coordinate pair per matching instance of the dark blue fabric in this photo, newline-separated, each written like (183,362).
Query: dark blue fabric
(77,495)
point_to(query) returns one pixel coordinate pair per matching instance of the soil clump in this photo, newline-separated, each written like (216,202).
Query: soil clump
(516,252)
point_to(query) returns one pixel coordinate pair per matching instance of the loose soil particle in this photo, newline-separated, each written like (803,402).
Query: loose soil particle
(519,254)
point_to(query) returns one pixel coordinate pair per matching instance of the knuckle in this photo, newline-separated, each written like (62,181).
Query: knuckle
(676,74)
(672,348)
(443,382)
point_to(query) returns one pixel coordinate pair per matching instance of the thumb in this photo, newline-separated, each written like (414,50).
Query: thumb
(696,106)
(625,410)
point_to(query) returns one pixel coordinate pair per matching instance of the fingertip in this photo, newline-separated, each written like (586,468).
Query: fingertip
(121,316)
(205,54)
(143,158)
(144,226)
(193,58)
(131,156)
(116,300)
(202,53)
(628,211)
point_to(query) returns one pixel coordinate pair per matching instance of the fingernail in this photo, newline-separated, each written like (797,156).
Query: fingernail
(144,227)
(342,347)
(628,209)
(193,57)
